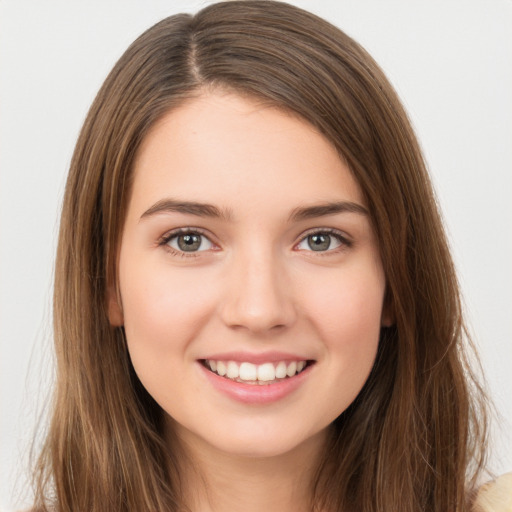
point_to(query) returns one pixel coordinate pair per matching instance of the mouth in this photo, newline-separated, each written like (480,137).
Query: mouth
(256,374)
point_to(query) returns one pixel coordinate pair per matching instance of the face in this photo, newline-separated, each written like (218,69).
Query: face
(251,288)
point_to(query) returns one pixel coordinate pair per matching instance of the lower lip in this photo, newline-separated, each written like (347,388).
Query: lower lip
(256,393)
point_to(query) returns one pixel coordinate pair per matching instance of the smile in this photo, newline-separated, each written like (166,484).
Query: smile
(256,374)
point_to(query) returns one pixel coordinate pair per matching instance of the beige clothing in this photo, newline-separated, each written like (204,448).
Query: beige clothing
(495,496)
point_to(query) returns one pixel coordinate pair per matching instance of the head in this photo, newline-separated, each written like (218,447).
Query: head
(410,420)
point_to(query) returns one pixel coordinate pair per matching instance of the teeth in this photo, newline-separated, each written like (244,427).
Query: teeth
(249,372)
(232,372)
(292,369)
(266,372)
(281,370)
(221,368)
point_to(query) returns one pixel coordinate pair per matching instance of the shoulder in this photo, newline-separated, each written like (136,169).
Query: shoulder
(495,496)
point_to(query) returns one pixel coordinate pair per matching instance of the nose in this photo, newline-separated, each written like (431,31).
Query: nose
(258,297)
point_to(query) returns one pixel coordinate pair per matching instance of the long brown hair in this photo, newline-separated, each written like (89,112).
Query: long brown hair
(414,439)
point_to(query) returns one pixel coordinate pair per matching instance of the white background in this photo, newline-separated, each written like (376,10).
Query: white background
(451,62)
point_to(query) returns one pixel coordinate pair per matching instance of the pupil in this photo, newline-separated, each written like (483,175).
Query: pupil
(189,242)
(319,242)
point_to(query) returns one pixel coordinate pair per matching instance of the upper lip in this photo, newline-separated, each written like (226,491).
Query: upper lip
(256,358)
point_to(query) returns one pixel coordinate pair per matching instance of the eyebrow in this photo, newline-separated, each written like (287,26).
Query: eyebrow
(190,207)
(209,210)
(311,212)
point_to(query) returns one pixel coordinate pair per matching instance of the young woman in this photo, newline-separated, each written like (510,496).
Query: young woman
(255,306)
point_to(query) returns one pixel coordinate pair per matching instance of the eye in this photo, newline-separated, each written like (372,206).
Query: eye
(323,241)
(187,241)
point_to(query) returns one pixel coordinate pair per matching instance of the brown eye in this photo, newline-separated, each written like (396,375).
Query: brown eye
(189,242)
(322,241)
(319,242)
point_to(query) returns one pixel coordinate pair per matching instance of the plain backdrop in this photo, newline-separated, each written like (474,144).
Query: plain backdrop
(451,62)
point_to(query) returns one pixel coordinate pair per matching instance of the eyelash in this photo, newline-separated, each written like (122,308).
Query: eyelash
(338,235)
(345,243)
(165,239)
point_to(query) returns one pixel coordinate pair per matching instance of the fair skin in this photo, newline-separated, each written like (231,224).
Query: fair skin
(247,249)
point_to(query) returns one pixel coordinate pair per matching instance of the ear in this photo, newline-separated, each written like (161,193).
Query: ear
(114,308)
(387,320)
(388,317)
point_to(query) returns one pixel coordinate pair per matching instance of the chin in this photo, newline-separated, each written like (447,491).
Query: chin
(256,441)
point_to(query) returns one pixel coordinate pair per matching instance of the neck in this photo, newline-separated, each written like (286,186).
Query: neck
(215,481)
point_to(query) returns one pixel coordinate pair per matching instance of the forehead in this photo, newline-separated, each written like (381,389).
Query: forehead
(226,148)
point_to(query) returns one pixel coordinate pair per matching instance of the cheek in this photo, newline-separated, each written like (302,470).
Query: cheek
(347,308)
(163,312)
(159,295)
(346,315)
(163,309)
